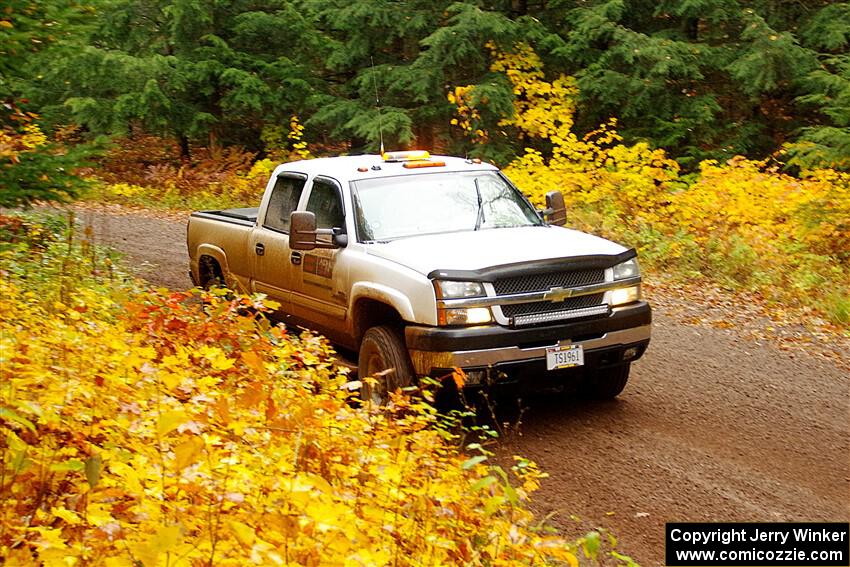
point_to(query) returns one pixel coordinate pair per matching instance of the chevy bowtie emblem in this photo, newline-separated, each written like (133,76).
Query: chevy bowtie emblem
(557,294)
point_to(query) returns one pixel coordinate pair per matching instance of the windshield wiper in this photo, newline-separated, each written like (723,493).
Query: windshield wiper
(480,218)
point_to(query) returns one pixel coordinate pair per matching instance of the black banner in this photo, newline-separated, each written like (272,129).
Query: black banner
(757,544)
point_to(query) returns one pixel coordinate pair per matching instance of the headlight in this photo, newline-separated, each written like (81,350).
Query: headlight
(627,269)
(458,290)
(625,295)
(470,316)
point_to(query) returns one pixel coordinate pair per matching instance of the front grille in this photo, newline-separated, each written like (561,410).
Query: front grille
(539,318)
(544,282)
(535,307)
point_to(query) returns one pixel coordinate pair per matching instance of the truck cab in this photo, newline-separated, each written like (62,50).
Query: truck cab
(422,264)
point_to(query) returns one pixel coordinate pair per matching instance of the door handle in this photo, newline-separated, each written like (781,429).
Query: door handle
(295,257)
(259,249)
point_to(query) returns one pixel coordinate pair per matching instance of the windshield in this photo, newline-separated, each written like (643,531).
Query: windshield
(411,205)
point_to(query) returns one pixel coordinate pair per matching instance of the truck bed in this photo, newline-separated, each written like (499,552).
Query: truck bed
(244,216)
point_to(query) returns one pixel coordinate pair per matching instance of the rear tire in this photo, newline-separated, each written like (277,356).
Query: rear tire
(607,383)
(210,273)
(383,355)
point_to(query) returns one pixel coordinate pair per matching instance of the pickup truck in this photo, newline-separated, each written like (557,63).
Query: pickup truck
(422,264)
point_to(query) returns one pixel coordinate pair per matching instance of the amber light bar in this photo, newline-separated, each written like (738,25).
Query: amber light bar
(418,164)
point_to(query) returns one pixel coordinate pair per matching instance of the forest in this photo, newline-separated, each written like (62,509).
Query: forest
(703,79)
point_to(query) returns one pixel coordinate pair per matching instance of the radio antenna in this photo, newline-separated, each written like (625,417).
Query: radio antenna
(377,104)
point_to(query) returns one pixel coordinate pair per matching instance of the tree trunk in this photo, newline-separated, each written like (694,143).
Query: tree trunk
(185,152)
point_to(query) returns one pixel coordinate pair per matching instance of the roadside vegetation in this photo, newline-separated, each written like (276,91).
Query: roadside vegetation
(742,224)
(157,428)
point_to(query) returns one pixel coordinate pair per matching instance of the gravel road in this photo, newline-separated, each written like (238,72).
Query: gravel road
(713,426)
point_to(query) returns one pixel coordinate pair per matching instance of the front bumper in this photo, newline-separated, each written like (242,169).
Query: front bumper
(433,349)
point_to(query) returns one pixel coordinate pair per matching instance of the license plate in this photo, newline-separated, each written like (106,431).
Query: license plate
(564,357)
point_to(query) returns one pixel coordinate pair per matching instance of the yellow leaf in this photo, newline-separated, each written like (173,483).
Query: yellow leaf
(169,421)
(244,534)
(164,540)
(6,24)
(50,538)
(129,477)
(223,363)
(187,453)
(99,514)
(171,379)
(253,361)
(119,561)
(70,517)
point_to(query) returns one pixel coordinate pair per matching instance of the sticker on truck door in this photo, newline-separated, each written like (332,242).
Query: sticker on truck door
(318,265)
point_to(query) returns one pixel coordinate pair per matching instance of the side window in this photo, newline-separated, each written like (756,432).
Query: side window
(284,200)
(325,203)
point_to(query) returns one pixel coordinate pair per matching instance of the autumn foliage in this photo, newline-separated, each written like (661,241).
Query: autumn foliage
(151,171)
(152,428)
(32,165)
(745,224)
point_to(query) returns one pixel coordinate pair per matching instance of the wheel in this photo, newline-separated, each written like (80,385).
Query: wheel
(607,383)
(210,273)
(212,281)
(383,355)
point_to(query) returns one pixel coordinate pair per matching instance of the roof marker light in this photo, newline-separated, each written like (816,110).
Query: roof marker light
(418,164)
(362,169)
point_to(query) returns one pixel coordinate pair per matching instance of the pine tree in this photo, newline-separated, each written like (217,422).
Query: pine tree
(215,72)
(827,90)
(32,168)
(419,49)
(705,78)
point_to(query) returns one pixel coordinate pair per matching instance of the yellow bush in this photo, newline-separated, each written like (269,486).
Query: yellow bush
(127,190)
(166,432)
(743,223)
(249,187)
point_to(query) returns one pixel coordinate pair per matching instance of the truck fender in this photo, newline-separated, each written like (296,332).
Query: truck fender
(385,294)
(218,255)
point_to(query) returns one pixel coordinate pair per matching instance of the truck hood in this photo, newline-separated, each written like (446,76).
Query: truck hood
(492,247)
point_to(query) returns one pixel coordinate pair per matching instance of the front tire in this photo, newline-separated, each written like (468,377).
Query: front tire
(383,355)
(607,383)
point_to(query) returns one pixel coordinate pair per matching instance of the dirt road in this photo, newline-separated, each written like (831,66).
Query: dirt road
(713,425)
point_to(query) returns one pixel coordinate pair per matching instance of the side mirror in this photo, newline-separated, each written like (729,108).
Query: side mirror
(556,210)
(302,230)
(303,233)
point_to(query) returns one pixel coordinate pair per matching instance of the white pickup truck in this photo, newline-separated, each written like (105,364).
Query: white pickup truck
(421,264)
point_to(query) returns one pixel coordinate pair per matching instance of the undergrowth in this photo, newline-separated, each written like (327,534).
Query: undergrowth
(743,225)
(144,428)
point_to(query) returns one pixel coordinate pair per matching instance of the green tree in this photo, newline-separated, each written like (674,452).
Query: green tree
(419,49)
(197,70)
(704,78)
(827,142)
(32,168)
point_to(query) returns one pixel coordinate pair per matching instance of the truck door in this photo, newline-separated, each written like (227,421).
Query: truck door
(319,292)
(269,242)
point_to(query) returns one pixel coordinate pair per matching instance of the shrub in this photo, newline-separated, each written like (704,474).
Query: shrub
(744,224)
(146,428)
